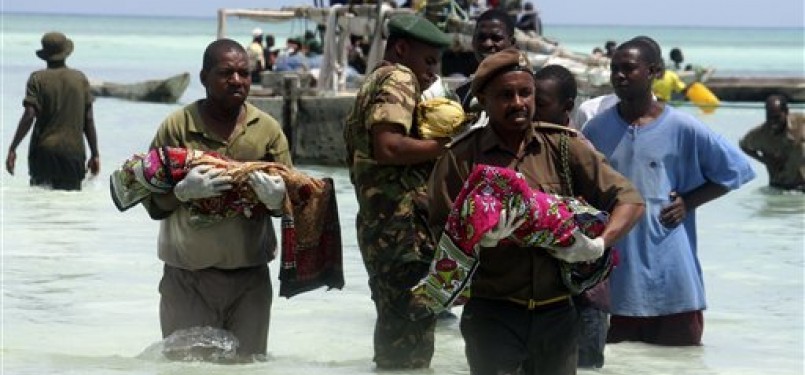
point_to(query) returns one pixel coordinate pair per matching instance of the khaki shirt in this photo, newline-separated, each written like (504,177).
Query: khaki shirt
(516,272)
(235,242)
(61,97)
(783,153)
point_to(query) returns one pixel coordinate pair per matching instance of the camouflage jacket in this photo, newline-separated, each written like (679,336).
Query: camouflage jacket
(391,219)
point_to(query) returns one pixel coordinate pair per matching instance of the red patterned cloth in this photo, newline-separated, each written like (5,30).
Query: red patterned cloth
(550,220)
(305,264)
(311,232)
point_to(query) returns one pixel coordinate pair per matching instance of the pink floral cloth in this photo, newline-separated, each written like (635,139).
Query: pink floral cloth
(550,220)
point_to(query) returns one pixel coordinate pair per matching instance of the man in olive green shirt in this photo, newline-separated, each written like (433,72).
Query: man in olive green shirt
(216,275)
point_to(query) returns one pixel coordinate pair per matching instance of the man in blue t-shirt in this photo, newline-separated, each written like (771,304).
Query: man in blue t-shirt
(678,164)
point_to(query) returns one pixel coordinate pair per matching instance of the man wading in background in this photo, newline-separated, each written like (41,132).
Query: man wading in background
(58,98)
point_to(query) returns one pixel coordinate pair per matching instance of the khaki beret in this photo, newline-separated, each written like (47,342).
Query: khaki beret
(418,28)
(498,63)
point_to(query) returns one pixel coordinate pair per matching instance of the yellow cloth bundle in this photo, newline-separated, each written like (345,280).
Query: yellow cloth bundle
(440,118)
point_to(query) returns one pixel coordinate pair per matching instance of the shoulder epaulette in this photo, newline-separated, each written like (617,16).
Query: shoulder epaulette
(463,135)
(548,127)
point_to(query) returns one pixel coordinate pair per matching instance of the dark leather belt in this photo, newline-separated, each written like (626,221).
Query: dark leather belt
(545,304)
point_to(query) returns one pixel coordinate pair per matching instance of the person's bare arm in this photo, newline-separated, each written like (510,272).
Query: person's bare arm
(751,152)
(673,214)
(748,144)
(393,147)
(94,162)
(24,126)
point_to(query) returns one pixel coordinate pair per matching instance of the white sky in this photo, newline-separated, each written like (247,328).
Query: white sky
(763,13)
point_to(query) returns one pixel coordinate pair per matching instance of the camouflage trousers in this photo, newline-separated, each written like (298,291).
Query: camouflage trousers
(403,337)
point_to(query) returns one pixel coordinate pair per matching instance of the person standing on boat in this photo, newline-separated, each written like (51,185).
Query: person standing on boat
(494,32)
(521,318)
(292,58)
(677,58)
(609,48)
(529,21)
(678,164)
(667,84)
(257,61)
(217,275)
(269,55)
(59,99)
(389,164)
(312,43)
(779,143)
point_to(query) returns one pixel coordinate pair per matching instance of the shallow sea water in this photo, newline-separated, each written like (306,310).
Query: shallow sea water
(79,279)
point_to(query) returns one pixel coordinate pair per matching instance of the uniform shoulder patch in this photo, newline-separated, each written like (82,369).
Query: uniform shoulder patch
(552,128)
(465,135)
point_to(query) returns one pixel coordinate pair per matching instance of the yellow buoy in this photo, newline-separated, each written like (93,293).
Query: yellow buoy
(700,95)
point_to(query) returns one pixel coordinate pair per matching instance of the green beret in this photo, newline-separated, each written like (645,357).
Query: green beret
(418,28)
(509,59)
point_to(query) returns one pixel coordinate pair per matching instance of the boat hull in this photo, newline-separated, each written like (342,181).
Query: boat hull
(167,90)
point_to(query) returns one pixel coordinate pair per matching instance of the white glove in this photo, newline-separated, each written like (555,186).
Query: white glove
(583,249)
(506,226)
(269,189)
(202,181)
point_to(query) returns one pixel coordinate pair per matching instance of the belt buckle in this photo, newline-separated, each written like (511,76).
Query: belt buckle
(533,304)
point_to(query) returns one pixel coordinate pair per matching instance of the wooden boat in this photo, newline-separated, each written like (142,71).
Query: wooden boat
(313,105)
(757,89)
(591,71)
(167,90)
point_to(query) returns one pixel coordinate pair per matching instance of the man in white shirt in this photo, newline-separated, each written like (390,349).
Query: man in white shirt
(591,107)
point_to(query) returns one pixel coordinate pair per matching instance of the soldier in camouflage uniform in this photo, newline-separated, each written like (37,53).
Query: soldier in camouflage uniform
(389,166)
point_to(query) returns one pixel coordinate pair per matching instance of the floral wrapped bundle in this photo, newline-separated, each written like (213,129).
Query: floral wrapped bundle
(311,233)
(158,170)
(440,118)
(550,220)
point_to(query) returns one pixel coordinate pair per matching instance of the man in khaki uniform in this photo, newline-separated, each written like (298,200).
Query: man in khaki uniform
(521,317)
(389,164)
(779,143)
(216,275)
